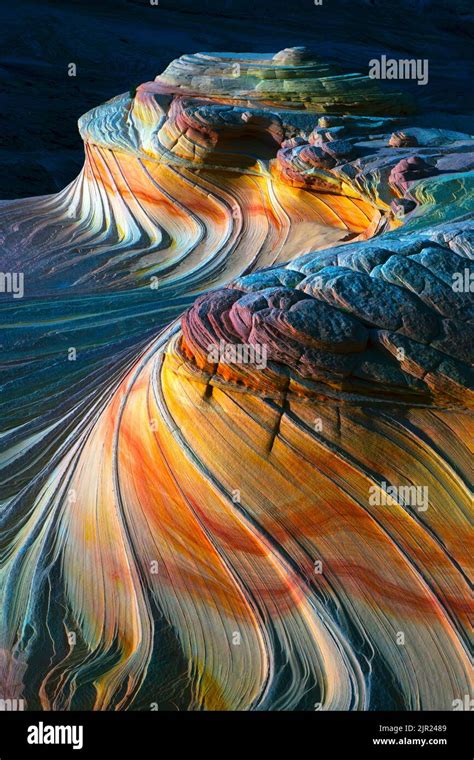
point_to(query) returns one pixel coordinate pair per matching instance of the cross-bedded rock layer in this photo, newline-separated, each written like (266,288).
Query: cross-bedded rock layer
(221,532)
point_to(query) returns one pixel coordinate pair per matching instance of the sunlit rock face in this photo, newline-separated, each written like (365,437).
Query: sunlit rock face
(294,78)
(223,159)
(196,167)
(247,486)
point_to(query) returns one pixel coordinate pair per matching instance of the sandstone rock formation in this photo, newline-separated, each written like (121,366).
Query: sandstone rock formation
(239,469)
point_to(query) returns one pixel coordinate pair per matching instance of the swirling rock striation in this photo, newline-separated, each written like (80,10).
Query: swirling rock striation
(238,477)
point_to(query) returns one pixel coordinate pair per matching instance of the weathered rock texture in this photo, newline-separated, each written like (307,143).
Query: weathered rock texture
(235,410)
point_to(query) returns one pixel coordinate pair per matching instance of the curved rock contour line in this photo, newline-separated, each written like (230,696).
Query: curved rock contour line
(249,488)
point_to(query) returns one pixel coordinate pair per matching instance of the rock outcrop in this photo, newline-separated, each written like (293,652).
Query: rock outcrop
(236,406)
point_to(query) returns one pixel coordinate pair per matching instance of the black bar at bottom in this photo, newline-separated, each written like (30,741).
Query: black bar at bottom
(139,734)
